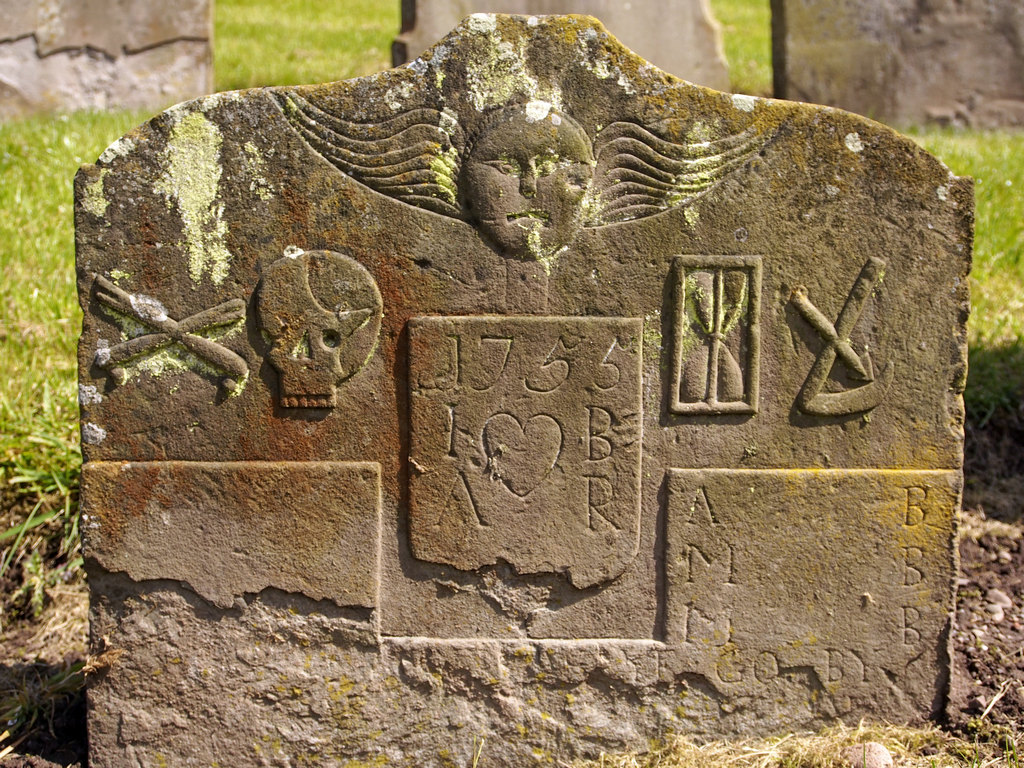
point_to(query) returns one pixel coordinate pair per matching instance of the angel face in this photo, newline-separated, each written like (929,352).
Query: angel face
(526,181)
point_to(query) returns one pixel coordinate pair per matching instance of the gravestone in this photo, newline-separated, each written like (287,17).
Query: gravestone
(958,62)
(524,399)
(66,55)
(679,36)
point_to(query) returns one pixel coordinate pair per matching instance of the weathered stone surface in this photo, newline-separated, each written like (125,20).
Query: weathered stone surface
(228,528)
(680,36)
(485,483)
(644,397)
(847,572)
(955,62)
(101,54)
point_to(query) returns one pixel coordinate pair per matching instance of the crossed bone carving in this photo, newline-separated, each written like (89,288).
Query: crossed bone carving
(167,331)
(812,398)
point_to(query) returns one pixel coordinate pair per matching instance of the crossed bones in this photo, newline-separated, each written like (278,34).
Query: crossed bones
(168,331)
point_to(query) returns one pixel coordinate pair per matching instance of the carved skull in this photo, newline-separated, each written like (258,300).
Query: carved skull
(322,312)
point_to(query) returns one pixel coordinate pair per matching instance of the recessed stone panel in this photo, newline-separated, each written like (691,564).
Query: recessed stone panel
(236,528)
(854,596)
(525,443)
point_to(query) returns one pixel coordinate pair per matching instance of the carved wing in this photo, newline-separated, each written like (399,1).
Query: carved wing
(640,173)
(410,157)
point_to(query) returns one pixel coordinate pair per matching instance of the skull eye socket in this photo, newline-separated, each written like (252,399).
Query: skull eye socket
(331,339)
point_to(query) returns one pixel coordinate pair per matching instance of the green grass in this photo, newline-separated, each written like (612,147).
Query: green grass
(39,325)
(747,35)
(995,159)
(292,42)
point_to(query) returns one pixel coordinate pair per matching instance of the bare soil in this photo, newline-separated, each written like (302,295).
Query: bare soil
(988,661)
(988,669)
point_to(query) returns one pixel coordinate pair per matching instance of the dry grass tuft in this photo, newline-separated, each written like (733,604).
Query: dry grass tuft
(927,747)
(61,630)
(975,525)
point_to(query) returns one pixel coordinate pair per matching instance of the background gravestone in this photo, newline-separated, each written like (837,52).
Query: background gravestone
(103,54)
(526,393)
(904,61)
(680,36)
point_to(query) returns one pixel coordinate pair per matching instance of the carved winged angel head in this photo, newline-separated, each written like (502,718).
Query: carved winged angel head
(527,180)
(527,175)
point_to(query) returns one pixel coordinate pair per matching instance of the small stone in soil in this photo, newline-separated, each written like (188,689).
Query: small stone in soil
(869,755)
(998,597)
(995,612)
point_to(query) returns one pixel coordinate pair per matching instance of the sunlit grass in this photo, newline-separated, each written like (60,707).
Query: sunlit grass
(39,324)
(996,161)
(746,32)
(291,42)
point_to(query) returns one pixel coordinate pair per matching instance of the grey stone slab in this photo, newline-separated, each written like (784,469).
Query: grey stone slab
(660,385)
(680,36)
(904,62)
(110,26)
(103,54)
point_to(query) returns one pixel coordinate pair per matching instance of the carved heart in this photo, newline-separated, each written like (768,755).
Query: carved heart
(521,456)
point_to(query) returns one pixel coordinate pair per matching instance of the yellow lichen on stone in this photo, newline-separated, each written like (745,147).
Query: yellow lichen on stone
(95,201)
(503,78)
(376,762)
(443,166)
(255,167)
(191,176)
(173,358)
(652,331)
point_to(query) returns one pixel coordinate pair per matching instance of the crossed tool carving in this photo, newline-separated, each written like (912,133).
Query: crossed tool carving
(167,331)
(812,399)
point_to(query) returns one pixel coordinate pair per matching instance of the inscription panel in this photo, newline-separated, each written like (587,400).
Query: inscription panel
(860,571)
(525,443)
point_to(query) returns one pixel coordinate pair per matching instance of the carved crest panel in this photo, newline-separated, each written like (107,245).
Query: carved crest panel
(525,443)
